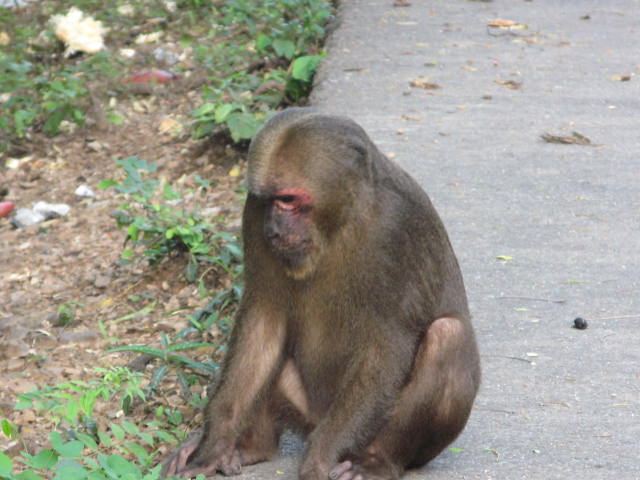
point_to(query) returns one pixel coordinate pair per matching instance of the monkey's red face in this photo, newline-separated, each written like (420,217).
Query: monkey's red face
(289,230)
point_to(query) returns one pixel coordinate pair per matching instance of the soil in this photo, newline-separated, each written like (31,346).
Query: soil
(75,259)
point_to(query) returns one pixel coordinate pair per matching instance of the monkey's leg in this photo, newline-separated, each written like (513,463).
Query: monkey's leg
(432,408)
(285,405)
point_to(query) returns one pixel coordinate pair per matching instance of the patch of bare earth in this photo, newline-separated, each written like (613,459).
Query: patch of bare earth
(77,258)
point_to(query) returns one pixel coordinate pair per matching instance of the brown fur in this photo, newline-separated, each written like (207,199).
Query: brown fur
(354,325)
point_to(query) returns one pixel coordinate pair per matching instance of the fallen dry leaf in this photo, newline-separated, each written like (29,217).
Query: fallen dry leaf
(151,76)
(506,25)
(401,3)
(423,82)
(622,78)
(171,126)
(411,118)
(512,84)
(574,139)
(502,23)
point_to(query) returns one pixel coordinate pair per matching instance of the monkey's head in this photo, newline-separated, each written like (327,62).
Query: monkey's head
(306,170)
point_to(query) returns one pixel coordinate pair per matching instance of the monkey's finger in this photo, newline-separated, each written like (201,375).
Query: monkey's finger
(349,475)
(192,472)
(340,469)
(183,455)
(232,466)
(171,466)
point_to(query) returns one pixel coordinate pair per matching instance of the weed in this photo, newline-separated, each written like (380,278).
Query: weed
(80,448)
(153,223)
(172,360)
(277,41)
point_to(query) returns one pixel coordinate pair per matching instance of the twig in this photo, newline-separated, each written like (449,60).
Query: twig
(616,317)
(508,358)
(495,410)
(531,298)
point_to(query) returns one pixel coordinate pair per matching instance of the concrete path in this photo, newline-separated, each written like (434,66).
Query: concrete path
(556,402)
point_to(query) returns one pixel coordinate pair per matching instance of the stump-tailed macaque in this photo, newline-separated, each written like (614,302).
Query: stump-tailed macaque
(353,328)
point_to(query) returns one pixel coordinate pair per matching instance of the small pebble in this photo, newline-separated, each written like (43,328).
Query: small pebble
(51,210)
(580,323)
(25,217)
(84,191)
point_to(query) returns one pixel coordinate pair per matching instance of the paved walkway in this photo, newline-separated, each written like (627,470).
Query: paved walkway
(556,402)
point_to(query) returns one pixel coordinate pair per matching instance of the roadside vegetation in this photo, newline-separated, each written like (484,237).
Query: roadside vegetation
(236,62)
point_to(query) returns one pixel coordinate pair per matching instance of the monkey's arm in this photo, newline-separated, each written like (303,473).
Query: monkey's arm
(362,405)
(254,354)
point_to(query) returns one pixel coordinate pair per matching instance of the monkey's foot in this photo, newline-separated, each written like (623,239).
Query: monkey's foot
(181,463)
(371,467)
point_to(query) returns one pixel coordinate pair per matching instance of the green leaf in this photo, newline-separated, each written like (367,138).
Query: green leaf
(130,427)
(505,258)
(68,469)
(105,439)
(118,432)
(23,403)
(203,110)
(305,67)
(242,126)
(44,460)
(72,410)
(166,437)
(139,451)
(284,48)
(262,42)
(9,429)
(72,449)
(87,401)
(6,465)
(27,475)
(115,118)
(154,352)
(191,271)
(154,473)
(223,111)
(104,184)
(147,438)
(121,467)
(189,346)
(192,363)
(88,441)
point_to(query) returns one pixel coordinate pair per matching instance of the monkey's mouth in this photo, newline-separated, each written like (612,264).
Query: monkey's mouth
(291,251)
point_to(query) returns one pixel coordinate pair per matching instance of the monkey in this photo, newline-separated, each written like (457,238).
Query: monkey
(353,327)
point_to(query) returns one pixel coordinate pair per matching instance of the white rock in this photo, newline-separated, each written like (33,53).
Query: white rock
(51,210)
(25,217)
(85,192)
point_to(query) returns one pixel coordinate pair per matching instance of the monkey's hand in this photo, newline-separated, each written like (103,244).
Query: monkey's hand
(194,457)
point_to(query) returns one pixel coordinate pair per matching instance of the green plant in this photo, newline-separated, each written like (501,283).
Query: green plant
(74,401)
(125,452)
(80,449)
(65,314)
(153,223)
(173,361)
(278,41)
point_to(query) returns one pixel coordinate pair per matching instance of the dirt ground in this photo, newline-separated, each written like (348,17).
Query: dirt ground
(76,258)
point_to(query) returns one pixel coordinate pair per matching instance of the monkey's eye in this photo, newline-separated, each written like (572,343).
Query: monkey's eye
(292,200)
(286,202)
(287,198)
